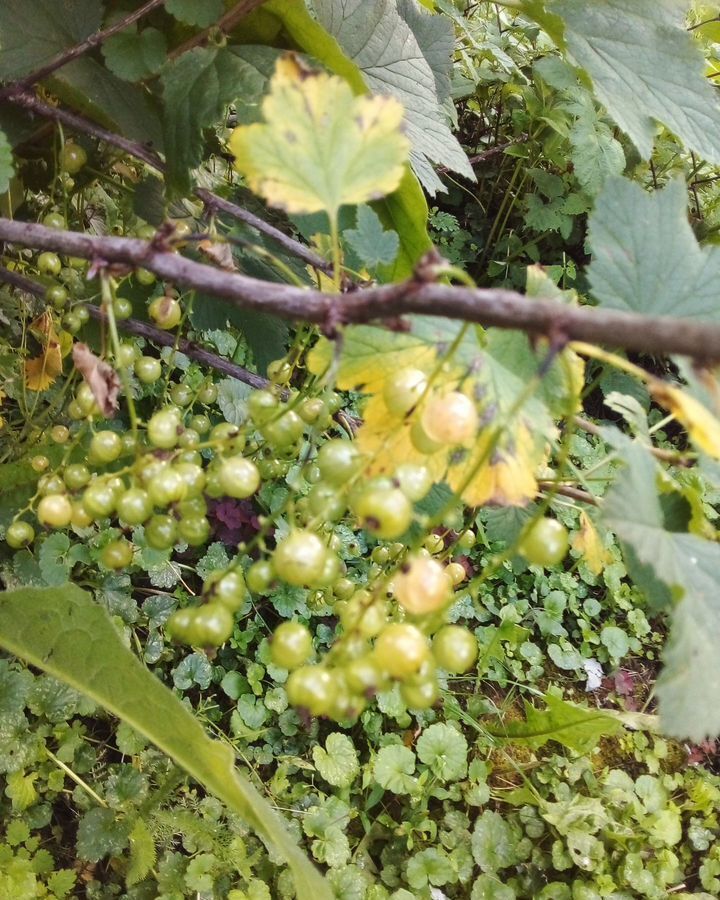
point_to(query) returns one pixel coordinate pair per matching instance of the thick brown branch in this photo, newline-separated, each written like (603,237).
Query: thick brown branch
(143,329)
(94,40)
(489,307)
(29,101)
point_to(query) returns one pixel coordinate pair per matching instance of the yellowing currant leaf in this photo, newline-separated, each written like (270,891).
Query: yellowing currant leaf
(501,476)
(320,146)
(702,426)
(586,541)
(42,370)
(385,443)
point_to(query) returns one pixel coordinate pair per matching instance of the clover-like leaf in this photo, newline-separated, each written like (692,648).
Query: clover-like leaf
(444,750)
(338,762)
(320,146)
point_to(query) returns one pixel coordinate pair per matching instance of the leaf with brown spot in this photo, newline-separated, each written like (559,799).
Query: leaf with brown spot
(101,378)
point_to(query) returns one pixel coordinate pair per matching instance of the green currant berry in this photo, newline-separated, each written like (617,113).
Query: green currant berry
(55,511)
(57,296)
(291,645)
(299,559)
(403,391)
(455,649)
(312,688)
(181,394)
(208,394)
(227,588)
(423,586)
(166,487)
(239,477)
(117,554)
(122,308)
(99,499)
(72,158)
(161,532)
(260,576)
(544,543)
(212,626)
(148,369)
(195,531)
(385,513)
(54,220)
(164,428)
(401,649)
(338,461)
(105,446)
(134,507)
(166,312)
(19,534)
(76,476)
(49,263)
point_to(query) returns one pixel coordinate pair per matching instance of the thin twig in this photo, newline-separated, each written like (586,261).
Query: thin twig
(142,329)
(27,100)
(669,456)
(488,154)
(94,40)
(224,25)
(485,306)
(567,490)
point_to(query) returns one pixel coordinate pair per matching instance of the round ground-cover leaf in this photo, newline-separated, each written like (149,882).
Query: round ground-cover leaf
(338,762)
(444,750)
(494,842)
(394,767)
(488,887)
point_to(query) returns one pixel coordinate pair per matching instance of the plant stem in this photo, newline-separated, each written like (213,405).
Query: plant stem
(109,312)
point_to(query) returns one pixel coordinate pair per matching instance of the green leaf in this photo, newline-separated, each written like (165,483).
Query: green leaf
(232,400)
(7,168)
(575,727)
(195,669)
(101,834)
(645,68)
(689,687)
(429,866)
(47,627)
(393,769)
(596,154)
(383,46)
(32,32)
(645,256)
(615,640)
(486,887)
(149,200)
(93,90)
(133,55)
(142,853)
(372,243)
(493,842)
(197,87)
(195,12)
(444,749)
(62,881)
(52,559)
(338,762)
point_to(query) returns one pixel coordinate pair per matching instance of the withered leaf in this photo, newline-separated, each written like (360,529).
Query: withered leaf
(102,379)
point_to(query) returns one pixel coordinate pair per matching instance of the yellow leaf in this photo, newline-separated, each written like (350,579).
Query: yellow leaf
(503,476)
(42,370)
(702,426)
(588,544)
(320,146)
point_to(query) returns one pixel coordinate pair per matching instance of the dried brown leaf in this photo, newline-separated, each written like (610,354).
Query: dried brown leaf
(102,379)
